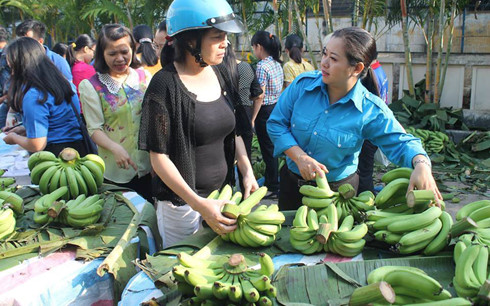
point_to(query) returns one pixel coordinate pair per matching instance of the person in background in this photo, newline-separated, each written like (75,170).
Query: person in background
(60,48)
(79,55)
(267,48)
(4,78)
(44,97)
(323,117)
(111,101)
(296,64)
(144,48)
(160,37)
(189,122)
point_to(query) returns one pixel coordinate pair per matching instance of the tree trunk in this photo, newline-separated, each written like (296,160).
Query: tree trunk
(328,17)
(276,19)
(303,34)
(367,11)
(406,43)
(449,45)
(437,93)
(290,17)
(317,21)
(430,48)
(244,18)
(355,13)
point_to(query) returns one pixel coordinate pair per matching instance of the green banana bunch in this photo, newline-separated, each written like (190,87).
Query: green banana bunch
(226,280)
(256,228)
(81,175)
(347,240)
(7,222)
(432,141)
(393,193)
(471,268)
(6,182)
(411,285)
(303,234)
(12,200)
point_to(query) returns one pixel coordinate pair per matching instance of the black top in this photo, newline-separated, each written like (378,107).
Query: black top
(249,86)
(167,127)
(214,121)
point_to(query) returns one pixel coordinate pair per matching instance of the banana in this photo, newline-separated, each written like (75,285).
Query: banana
(412,248)
(5,182)
(89,179)
(46,178)
(266,217)
(225,193)
(266,229)
(463,275)
(261,282)
(312,220)
(420,283)
(243,239)
(354,235)
(480,214)
(382,224)
(6,215)
(39,169)
(316,203)
(55,180)
(272,207)
(391,189)
(87,212)
(189,261)
(261,239)
(39,157)
(265,301)
(300,217)
(72,182)
(333,217)
(250,293)
(347,224)
(72,204)
(16,203)
(397,173)
(236,293)
(449,302)
(44,202)
(204,291)
(466,210)
(379,274)
(415,221)
(221,288)
(302,245)
(95,159)
(301,233)
(315,192)
(195,278)
(266,265)
(428,232)
(82,186)
(480,265)
(459,247)
(442,238)
(81,222)
(96,171)
(9,229)
(41,218)
(375,215)
(346,249)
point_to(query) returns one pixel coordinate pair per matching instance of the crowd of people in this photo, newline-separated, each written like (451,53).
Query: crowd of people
(173,113)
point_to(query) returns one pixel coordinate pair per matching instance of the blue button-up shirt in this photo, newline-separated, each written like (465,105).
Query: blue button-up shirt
(333,134)
(60,63)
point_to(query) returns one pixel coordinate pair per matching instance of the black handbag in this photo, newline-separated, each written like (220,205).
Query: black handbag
(90,146)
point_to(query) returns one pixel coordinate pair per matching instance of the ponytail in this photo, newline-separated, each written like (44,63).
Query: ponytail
(81,42)
(269,42)
(148,55)
(295,55)
(70,55)
(168,53)
(370,82)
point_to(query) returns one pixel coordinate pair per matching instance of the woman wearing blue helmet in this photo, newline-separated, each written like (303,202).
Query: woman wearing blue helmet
(189,124)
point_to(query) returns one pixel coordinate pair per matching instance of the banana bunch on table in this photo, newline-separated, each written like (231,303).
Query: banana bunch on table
(474,217)
(471,271)
(411,285)
(7,222)
(226,280)
(6,182)
(313,232)
(428,231)
(81,175)
(11,205)
(321,196)
(433,141)
(256,228)
(79,212)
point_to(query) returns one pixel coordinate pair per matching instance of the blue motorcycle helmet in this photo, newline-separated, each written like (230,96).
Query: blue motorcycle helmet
(183,15)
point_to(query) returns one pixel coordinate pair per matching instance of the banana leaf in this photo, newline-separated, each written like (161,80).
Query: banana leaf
(332,284)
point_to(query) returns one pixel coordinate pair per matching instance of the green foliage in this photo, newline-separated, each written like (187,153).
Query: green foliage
(415,112)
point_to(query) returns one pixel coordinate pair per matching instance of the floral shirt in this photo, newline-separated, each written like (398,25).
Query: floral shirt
(115,109)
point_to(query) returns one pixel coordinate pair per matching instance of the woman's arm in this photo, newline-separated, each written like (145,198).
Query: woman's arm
(422,177)
(245,167)
(308,166)
(209,209)
(29,144)
(94,116)
(257,105)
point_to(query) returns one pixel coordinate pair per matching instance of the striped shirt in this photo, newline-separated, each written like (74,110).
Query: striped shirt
(271,76)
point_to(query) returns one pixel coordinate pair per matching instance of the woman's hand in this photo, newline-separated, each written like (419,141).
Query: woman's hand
(422,179)
(11,138)
(19,130)
(249,184)
(309,167)
(123,160)
(211,213)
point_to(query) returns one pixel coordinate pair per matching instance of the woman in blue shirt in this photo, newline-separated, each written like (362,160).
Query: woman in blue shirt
(43,95)
(323,117)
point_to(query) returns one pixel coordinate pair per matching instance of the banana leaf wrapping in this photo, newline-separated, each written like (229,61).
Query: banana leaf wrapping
(109,238)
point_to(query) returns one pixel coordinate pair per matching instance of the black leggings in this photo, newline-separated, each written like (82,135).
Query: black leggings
(142,185)
(289,196)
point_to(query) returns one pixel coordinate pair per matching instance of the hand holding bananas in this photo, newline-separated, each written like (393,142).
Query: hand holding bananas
(308,167)
(422,178)
(225,280)
(81,175)
(254,229)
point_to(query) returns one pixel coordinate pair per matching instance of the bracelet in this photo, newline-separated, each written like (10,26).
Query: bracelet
(422,161)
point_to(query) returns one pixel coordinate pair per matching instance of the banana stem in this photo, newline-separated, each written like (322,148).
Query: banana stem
(419,197)
(56,209)
(483,297)
(324,232)
(347,191)
(462,225)
(69,154)
(374,293)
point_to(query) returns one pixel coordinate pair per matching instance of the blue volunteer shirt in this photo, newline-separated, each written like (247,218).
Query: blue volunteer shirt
(60,63)
(56,122)
(333,134)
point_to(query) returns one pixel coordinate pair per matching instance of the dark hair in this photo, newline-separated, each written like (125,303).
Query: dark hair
(60,48)
(4,35)
(229,62)
(269,42)
(294,44)
(32,68)
(360,47)
(81,42)
(37,27)
(144,36)
(177,48)
(162,26)
(113,32)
